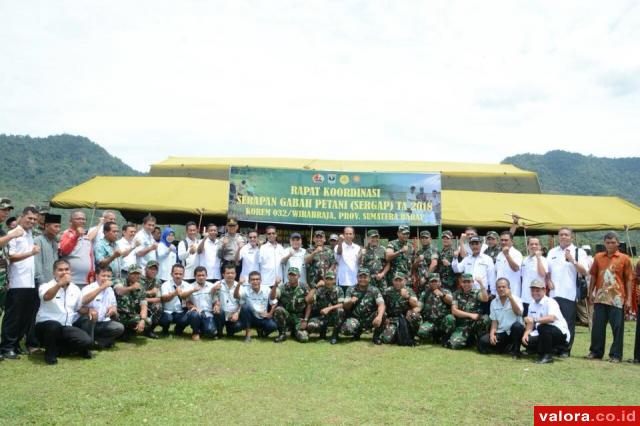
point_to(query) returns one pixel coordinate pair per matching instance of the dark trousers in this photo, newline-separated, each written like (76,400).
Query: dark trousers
(57,339)
(201,323)
(603,314)
(232,327)
(548,341)
(104,333)
(180,319)
(525,310)
(568,310)
(249,320)
(636,349)
(506,342)
(20,312)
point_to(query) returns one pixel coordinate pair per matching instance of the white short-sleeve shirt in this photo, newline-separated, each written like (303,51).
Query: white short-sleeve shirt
(64,306)
(548,306)
(529,272)
(209,258)
(22,273)
(250,257)
(503,270)
(271,262)
(564,274)
(175,304)
(102,302)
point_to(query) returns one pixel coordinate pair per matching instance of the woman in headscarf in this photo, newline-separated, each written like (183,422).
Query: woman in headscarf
(167,254)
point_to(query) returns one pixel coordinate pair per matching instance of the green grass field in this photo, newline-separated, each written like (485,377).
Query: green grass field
(177,381)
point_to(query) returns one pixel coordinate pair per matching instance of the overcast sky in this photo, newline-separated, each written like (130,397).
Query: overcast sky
(430,80)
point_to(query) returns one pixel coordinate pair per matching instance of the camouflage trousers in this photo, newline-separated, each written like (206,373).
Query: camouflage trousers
(467,331)
(288,321)
(438,328)
(131,321)
(354,326)
(390,330)
(319,322)
(154,312)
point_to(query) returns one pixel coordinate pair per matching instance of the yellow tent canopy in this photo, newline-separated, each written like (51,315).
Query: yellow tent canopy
(458,176)
(178,199)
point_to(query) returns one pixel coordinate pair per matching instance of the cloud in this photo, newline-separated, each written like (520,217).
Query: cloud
(442,80)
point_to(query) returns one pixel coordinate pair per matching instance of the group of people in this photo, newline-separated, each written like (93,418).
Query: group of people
(87,288)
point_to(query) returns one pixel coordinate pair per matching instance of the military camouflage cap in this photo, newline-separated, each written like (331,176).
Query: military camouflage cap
(5,204)
(373,233)
(537,284)
(434,277)
(330,275)
(152,264)
(293,270)
(447,234)
(319,232)
(404,229)
(364,271)
(135,269)
(425,234)
(399,275)
(492,234)
(467,277)
(333,237)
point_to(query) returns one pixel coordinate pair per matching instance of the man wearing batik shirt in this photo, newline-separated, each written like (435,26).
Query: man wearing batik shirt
(610,289)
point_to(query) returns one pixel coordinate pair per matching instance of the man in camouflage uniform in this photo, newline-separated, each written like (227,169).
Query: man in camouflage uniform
(466,307)
(5,208)
(132,303)
(401,304)
(493,248)
(327,310)
(293,311)
(364,309)
(374,258)
(445,259)
(151,285)
(400,254)
(438,322)
(320,259)
(425,262)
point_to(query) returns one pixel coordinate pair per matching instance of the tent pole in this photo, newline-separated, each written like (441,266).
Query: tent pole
(200,221)
(93,213)
(440,236)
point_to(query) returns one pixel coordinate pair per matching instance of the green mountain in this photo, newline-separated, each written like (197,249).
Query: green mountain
(32,170)
(562,172)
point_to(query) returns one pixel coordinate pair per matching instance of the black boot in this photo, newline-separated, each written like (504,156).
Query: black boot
(282,336)
(376,337)
(334,335)
(323,332)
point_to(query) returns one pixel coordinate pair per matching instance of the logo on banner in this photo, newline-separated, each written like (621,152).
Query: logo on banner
(317,178)
(344,179)
(331,178)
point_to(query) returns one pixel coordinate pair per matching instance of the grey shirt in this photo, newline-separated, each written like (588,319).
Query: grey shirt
(228,252)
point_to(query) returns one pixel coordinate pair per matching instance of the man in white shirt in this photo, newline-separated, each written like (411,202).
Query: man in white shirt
(60,305)
(21,302)
(257,308)
(107,216)
(508,263)
(546,329)
(188,251)
(248,255)
(100,299)
(147,245)
(294,258)
(534,267)
(506,322)
(226,307)
(563,273)
(348,258)
(171,296)
(271,254)
(208,254)
(200,305)
(127,245)
(479,265)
